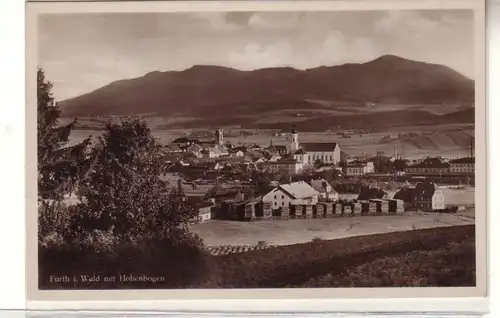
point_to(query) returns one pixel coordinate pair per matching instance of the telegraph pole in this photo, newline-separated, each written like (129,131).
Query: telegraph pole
(471,147)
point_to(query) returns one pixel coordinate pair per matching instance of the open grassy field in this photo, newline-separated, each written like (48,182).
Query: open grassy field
(216,232)
(445,140)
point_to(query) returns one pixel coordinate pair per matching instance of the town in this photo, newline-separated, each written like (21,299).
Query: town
(294,180)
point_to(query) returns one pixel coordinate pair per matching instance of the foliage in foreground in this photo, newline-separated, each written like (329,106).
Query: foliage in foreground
(127,221)
(59,166)
(448,266)
(286,266)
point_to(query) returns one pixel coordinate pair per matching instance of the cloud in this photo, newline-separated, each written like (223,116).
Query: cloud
(443,37)
(257,55)
(337,49)
(275,20)
(83,52)
(216,20)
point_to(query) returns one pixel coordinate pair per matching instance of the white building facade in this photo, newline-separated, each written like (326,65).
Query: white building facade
(309,153)
(297,193)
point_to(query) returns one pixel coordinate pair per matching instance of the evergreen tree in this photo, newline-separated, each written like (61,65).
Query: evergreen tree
(59,167)
(124,193)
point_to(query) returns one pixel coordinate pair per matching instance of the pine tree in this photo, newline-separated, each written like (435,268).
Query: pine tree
(59,167)
(123,190)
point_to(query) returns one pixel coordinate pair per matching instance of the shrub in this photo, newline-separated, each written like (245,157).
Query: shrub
(179,263)
(127,221)
(53,223)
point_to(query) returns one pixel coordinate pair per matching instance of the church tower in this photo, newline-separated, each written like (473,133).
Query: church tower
(295,140)
(219,136)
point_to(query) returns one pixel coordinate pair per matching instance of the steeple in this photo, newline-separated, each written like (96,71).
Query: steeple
(295,140)
(219,136)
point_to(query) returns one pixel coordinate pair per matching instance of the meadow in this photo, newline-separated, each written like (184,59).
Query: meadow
(411,142)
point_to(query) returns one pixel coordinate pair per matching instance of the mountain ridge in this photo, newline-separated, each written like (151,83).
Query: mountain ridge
(388,79)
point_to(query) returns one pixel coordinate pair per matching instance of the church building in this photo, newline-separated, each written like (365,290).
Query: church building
(309,153)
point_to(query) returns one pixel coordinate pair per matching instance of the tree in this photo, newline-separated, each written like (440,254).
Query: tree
(59,167)
(262,182)
(124,193)
(400,164)
(318,163)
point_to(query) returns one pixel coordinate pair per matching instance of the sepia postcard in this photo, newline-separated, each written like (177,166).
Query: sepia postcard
(256,150)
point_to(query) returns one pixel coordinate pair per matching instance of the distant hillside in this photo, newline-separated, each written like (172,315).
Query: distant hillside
(211,91)
(375,120)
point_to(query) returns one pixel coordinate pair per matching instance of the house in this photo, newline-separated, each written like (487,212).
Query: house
(195,149)
(253,147)
(297,193)
(235,152)
(172,157)
(258,161)
(218,166)
(215,151)
(172,149)
(204,211)
(359,168)
(325,190)
(184,142)
(277,150)
(424,196)
(288,165)
(462,165)
(428,166)
(372,193)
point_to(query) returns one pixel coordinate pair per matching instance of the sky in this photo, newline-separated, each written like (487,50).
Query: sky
(82,52)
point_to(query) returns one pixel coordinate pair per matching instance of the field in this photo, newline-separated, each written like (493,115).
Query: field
(432,257)
(445,140)
(450,265)
(215,233)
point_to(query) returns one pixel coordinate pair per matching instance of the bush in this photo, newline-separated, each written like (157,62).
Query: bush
(127,220)
(53,223)
(101,254)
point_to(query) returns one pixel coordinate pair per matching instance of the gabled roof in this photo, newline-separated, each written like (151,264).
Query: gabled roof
(182,140)
(319,185)
(276,147)
(431,163)
(463,160)
(298,190)
(300,152)
(282,161)
(318,147)
(195,146)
